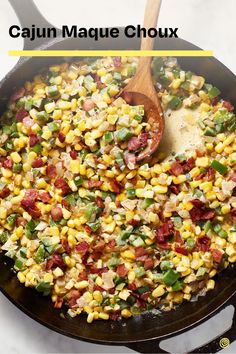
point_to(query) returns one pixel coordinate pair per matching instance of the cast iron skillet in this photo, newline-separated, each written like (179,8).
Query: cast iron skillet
(139,333)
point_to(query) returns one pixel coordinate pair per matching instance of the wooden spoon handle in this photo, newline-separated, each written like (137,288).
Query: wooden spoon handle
(150,20)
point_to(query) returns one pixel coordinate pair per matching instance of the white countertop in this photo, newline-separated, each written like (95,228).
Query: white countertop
(209,24)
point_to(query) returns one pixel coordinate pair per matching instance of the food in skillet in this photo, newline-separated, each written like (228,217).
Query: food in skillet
(89,226)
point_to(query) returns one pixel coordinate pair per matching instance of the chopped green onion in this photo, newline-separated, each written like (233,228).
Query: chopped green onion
(175,103)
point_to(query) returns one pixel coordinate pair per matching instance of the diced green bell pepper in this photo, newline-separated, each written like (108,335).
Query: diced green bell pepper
(4,237)
(53,127)
(165,265)
(142,289)
(40,254)
(147,202)
(120,159)
(108,137)
(37,148)
(190,243)
(178,285)
(44,288)
(78,180)
(170,277)
(17,167)
(53,90)
(43,116)
(139,272)
(11,219)
(124,134)
(219,167)
(131,193)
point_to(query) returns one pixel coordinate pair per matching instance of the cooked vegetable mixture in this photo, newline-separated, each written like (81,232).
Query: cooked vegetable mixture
(87,225)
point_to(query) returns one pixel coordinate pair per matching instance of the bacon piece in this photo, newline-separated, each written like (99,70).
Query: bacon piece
(177,237)
(28,203)
(197,203)
(164,231)
(136,143)
(51,171)
(233,212)
(73,154)
(29,198)
(33,139)
(5,192)
(176,168)
(117,62)
(83,275)
(203,243)
(114,316)
(82,247)
(44,197)
(130,160)
(140,251)
(88,104)
(37,163)
(228,106)
(232,177)
(200,176)
(210,176)
(148,264)
(181,250)
(17,94)
(99,202)
(94,184)
(111,244)
(217,255)
(174,188)
(208,214)
(58,304)
(189,164)
(88,229)
(20,114)
(65,204)
(7,163)
(73,297)
(132,286)
(66,246)
(116,186)
(121,270)
(56,213)
(200,213)
(61,183)
(134,222)
(20,221)
(54,261)
(99,247)
(61,137)
(215,100)
(164,246)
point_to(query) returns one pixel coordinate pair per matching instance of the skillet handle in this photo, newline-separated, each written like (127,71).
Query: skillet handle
(28,15)
(217,344)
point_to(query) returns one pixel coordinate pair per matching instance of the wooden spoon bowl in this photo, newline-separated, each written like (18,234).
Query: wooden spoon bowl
(141,91)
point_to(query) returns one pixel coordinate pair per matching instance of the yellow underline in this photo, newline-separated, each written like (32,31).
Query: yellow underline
(100,53)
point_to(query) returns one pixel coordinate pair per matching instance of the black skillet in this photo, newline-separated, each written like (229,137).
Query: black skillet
(139,333)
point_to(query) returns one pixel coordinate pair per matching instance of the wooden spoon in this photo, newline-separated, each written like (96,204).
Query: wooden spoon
(140,89)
